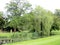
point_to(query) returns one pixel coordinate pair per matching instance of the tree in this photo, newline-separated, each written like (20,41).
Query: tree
(14,22)
(56,24)
(23,23)
(2,22)
(57,12)
(18,7)
(44,21)
(15,10)
(47,22)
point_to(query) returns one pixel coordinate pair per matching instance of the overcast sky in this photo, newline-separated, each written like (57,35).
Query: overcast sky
(47,4)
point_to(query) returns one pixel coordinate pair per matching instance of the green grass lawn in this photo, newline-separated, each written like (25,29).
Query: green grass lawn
(53,40)
(5,35)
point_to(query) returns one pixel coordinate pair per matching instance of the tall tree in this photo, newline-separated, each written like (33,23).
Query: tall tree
(18,7)
(45,19)
(15,9)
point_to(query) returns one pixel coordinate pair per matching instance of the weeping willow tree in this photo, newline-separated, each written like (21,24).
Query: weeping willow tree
(37,19)
(47,21)
(43,21)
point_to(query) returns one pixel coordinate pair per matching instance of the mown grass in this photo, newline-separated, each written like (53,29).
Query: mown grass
(53,40)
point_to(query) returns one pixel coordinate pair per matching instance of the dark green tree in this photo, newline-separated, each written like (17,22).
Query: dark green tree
(56,24)
(2,22)
(18,7)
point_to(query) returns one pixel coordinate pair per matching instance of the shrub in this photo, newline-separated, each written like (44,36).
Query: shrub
(25,35)
(56,32)
(22,36)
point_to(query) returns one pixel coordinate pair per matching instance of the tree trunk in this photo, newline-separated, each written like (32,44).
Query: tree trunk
(14,29)
(11,30)
(41,30)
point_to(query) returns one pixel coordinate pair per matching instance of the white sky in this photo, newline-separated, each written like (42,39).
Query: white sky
(3,4)
(47,4)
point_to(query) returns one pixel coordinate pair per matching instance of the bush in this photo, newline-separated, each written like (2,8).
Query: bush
(56,32)
(35,35)
(22,36)
(25,35)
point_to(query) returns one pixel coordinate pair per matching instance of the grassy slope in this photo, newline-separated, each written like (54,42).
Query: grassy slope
(53,40)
